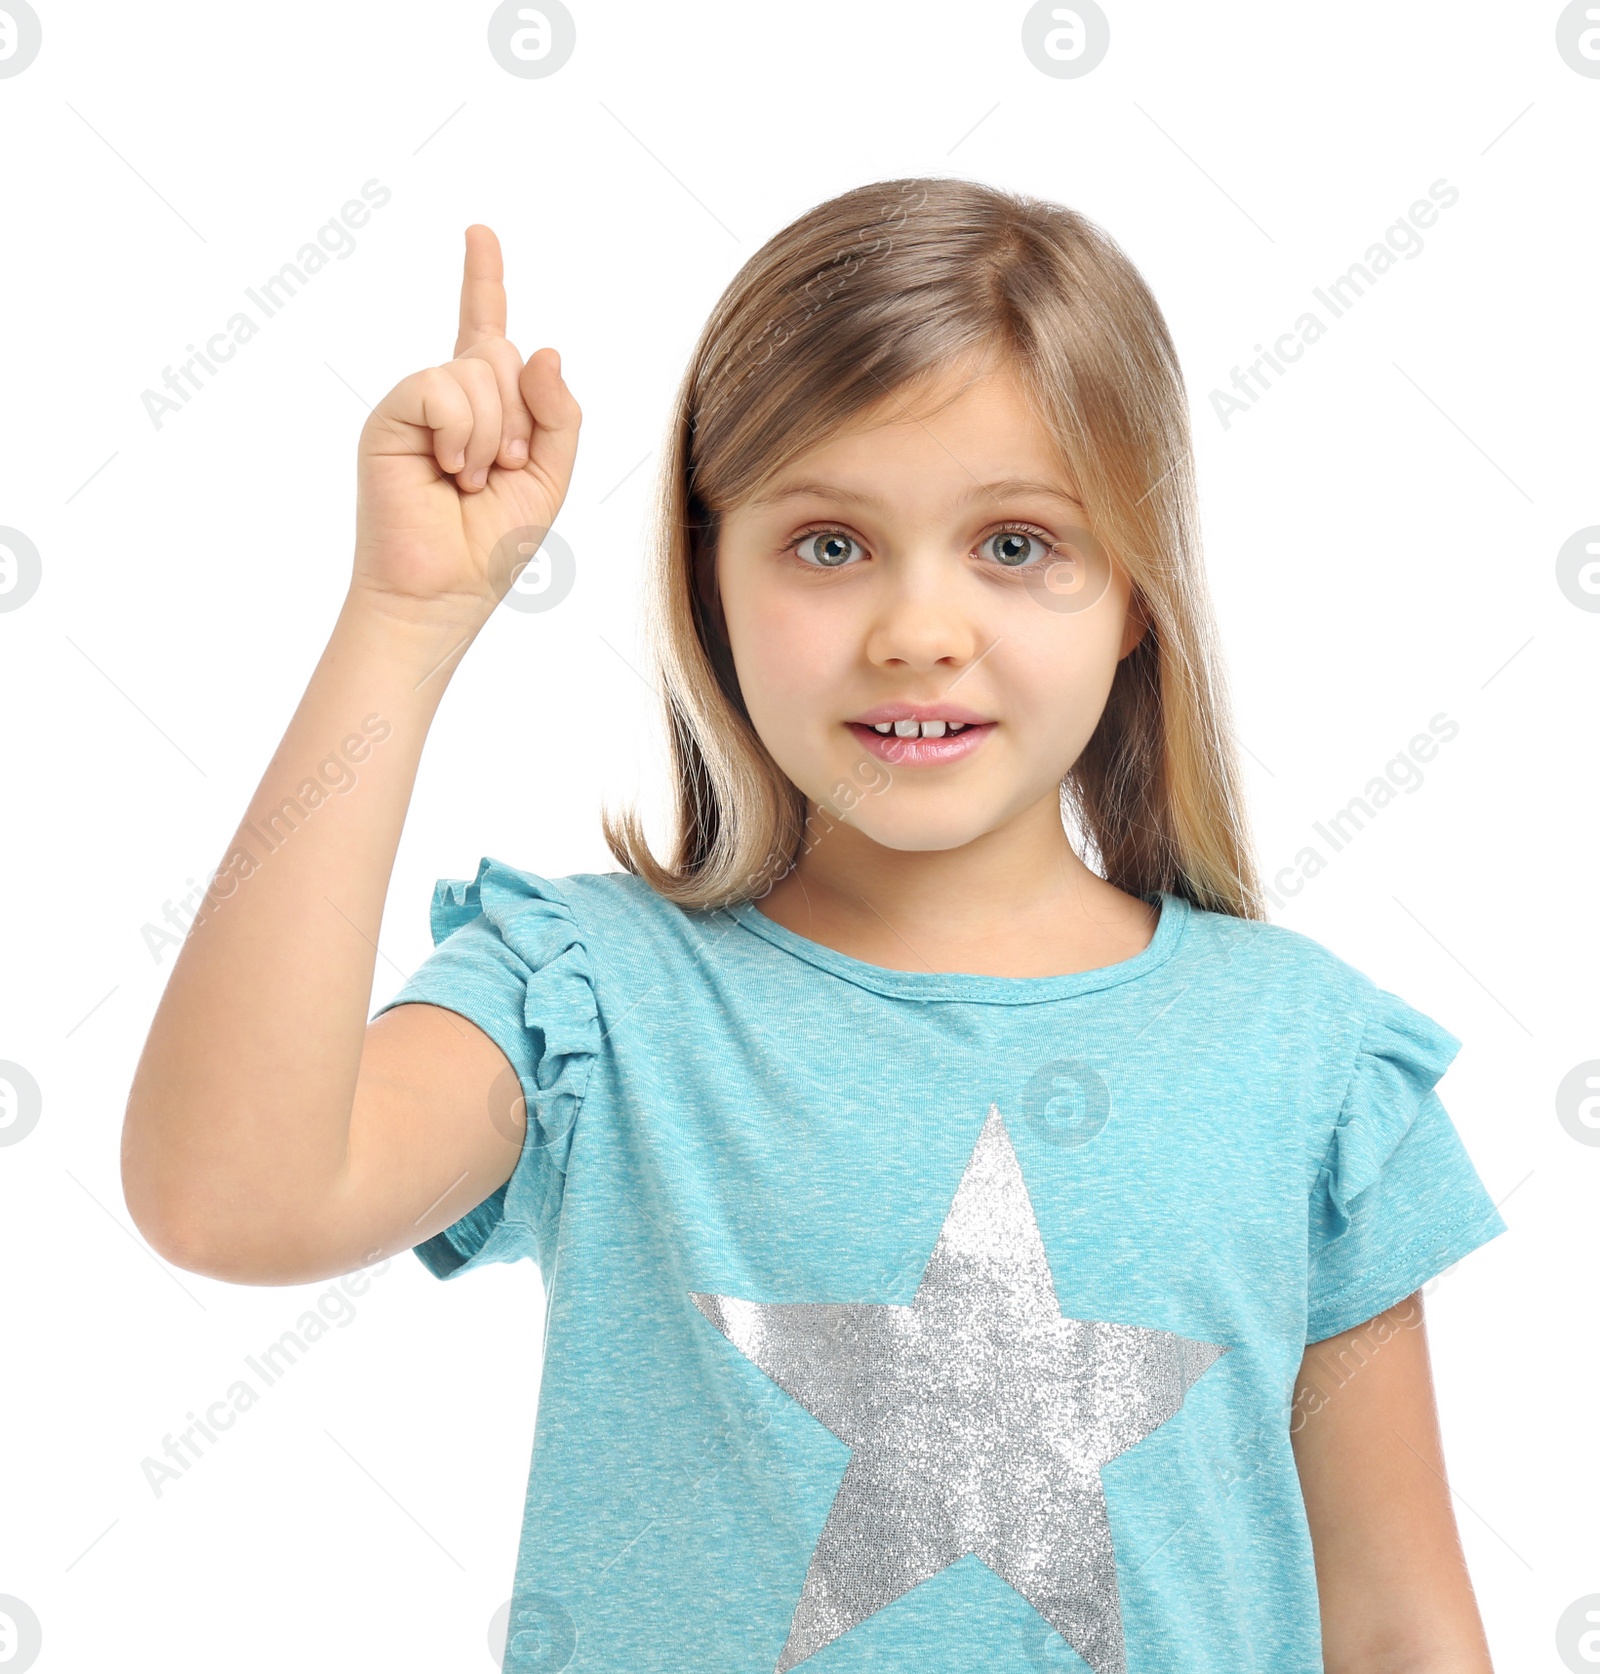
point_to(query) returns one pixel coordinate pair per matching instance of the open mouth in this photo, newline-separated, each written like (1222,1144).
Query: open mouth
(911,743)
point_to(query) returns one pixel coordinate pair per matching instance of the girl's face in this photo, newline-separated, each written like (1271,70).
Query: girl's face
(928,561)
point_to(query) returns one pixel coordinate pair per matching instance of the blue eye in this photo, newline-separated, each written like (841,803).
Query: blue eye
(1019,547)
(1013,548)
(825,548)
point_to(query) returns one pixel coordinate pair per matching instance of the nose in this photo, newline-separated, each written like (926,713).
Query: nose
(922,617)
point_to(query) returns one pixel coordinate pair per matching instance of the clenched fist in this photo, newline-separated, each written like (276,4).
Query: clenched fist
(459,460)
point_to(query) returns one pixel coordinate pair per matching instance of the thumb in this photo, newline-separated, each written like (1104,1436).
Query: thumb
(556,416)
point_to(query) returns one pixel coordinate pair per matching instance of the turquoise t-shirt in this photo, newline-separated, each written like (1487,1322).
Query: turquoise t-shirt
(908,1321)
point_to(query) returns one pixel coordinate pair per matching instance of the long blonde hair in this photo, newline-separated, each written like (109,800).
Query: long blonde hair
(864,294)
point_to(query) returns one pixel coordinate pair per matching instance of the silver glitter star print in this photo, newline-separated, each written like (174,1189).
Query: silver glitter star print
(978,1419)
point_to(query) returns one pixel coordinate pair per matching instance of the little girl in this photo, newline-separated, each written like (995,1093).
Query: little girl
(973,1237)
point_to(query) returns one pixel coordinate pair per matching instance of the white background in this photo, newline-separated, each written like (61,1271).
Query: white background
(1381,537)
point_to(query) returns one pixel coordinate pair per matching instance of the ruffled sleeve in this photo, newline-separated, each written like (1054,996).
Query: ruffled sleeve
(509,956)
(1396,1199)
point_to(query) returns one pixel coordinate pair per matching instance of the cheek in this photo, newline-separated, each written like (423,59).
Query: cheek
(786,653)
(1059,678)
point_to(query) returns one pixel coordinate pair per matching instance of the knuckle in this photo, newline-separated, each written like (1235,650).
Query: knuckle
(474,369)
(444,395)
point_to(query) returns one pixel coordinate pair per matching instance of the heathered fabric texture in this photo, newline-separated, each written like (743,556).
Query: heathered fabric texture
(1233,1136)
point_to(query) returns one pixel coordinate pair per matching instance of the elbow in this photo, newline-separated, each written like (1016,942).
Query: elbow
(216,1241)
(164,1223)
(229,1231)
(187,1242)
(175,1244)
(173,1236)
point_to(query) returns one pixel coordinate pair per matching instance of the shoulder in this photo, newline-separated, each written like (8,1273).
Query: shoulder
(1298,985)
(1275,960)
(622,911)
(1373,1056)
(613,923)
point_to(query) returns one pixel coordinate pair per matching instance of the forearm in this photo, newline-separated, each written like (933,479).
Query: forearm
(238,1117)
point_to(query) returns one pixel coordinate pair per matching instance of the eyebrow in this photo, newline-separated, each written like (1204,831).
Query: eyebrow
(830,491)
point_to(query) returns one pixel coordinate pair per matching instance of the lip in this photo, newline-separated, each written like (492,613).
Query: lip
(919,712)
(917,752)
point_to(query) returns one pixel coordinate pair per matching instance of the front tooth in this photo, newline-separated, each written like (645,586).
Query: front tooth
(906,729)
(933,729)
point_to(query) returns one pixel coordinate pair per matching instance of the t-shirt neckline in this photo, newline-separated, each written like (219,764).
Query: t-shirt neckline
(994,990)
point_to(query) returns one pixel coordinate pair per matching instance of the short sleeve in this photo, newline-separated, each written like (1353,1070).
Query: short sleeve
(509,956)
(1396,1199)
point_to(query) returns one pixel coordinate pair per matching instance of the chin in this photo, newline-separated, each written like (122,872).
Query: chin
(930,830)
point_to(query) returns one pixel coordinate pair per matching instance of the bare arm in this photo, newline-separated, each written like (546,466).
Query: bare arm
(271,1136)
(1393,1584)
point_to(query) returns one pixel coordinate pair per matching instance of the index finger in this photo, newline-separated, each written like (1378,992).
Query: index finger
(483,295)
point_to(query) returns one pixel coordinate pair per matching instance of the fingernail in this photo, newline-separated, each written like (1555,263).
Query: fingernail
(476,479)
(516,448)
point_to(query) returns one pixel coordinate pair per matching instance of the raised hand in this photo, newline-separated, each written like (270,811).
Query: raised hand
(264,1143)
(458,460)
